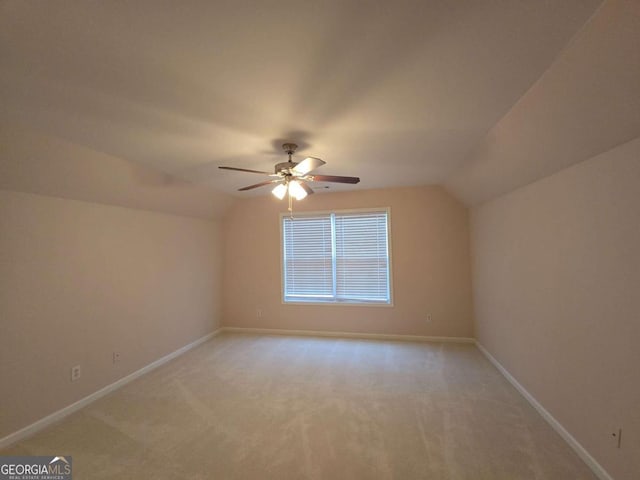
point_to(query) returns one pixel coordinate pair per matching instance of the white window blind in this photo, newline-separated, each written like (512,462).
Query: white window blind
(308,257)
(337,257)
(362,257)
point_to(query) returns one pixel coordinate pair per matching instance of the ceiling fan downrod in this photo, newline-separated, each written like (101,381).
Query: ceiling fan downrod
(289,149)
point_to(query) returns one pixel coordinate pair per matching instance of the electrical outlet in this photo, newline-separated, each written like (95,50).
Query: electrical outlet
(75,373)
(258,313)
(116,357)
(616,436)
(429,318)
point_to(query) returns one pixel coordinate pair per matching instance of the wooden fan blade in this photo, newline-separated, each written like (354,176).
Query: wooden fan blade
(334,178)
(244,170)
(306,165)
(306,188)
(250,187)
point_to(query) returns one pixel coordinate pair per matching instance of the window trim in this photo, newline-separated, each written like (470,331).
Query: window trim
(283,215)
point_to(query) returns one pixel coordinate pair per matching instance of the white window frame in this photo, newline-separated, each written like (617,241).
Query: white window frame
(281,218)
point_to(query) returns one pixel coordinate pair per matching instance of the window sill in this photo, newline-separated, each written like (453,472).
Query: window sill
(337,304)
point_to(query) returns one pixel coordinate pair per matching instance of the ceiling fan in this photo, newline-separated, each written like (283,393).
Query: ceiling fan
(292,177)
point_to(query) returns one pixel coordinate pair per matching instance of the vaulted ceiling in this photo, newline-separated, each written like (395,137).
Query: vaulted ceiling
(482,96)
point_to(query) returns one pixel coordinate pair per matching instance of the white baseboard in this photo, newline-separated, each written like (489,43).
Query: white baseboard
(366,336)
(69,409)
(591,462)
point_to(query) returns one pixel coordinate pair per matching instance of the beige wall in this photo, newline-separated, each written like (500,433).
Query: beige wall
(556,274)
(80,280)
(430,254)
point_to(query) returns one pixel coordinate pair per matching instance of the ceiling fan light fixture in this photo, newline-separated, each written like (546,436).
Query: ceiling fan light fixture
(296,190)
(279,191)
(292,177)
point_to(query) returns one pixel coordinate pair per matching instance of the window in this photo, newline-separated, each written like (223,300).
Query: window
(337,257)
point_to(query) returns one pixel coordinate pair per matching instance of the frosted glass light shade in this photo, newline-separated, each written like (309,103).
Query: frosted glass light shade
(280,191)
(296,191)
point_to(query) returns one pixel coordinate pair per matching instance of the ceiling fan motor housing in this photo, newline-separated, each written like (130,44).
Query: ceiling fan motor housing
(284,168)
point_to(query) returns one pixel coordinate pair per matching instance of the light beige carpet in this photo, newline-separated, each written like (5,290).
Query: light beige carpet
(271,407)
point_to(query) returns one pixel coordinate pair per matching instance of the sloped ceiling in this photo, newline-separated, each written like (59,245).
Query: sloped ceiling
(586,103)
(36,163)
(398,93)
